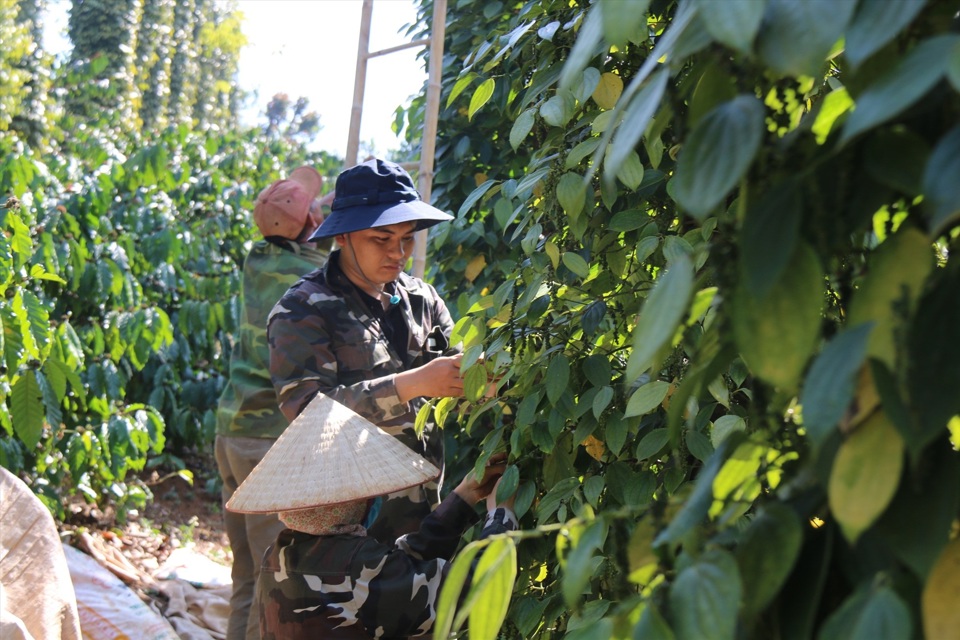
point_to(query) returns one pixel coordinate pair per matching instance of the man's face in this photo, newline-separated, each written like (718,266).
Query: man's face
(377,255)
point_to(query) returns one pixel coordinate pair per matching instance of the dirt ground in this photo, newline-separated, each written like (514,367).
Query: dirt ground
(180,515)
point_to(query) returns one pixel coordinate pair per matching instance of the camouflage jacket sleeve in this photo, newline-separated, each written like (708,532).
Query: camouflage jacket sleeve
(323,339)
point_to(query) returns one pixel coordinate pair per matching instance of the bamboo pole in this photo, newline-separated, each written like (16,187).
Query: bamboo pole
(359,82)
(429,138)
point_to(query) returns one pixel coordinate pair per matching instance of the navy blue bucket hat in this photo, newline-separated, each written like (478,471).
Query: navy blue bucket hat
(376,193)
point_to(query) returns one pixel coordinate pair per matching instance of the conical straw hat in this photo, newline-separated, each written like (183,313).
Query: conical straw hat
(329,455)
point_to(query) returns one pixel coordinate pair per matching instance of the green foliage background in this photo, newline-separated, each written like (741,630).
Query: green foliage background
(704,249)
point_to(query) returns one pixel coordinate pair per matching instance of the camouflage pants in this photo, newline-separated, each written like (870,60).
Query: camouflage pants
(249,534)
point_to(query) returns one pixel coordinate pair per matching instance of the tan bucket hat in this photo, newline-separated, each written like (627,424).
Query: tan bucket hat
(329,455)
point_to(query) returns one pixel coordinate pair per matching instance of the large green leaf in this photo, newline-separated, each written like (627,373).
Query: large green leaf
(869,614)
(933,367)
(571,194)
(558,376)
(493,581)
(589,41)
(578,568)
(768,549)
(26,409)
(705,596)
(831,381)
(776,332)
(734,23)
(646,398)
(452,588)
(865,475)
(875,24)
(652,626)
(623,20)
(769,236)
(521,127)
(662,313)
(717,154)
(927,499)
(901,86)
(797,35)
(941,188)
(636,118)
(481,96)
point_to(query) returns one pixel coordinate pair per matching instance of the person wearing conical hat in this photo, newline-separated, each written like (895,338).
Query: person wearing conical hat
(366,333)
(286,212)
(325,577)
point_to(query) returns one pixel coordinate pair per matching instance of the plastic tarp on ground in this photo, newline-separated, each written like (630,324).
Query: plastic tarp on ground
(36,595)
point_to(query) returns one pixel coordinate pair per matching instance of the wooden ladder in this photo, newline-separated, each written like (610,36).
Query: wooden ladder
(424,168)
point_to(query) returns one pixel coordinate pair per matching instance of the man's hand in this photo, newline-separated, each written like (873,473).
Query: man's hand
(472,490)
(439,378)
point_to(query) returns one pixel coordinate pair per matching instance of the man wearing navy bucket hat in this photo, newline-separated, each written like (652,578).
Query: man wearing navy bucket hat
(365,333)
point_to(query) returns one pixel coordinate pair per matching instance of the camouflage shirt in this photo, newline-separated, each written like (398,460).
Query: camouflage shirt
(248,405)
(324,338)
(346,586)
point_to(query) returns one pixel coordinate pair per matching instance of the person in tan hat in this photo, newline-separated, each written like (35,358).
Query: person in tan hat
(286,212)
(325,577)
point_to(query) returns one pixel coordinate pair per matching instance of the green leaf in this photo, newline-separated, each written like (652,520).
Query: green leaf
(836,103)
(481,95)
(717,154)
(26,409)
(698,445)
(474,197)
(636,118)
(768,549)
(558,110)
(628,220)
(865,475)
(927,501)
(558,377)
(941,189)
(646,398)
(734,23)
(796,36)
(903,85)
(494,577)
(953,68)
(615,434)
(630,172)
(509,482)
(769,235)
(462,83)
(475,383)
(652,443)
(724,426)
(875,24)
(571,194)
(596,368)
(662,313)
(777,332)
(933,342)
(869,614)
(602,400)
(579,565)
(623,20)
(452,588)
(521,128)
(705,597)
(831,381)
(576,263)
(559,492)
(652,626)
(584,49)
